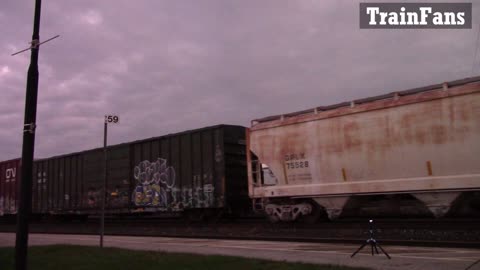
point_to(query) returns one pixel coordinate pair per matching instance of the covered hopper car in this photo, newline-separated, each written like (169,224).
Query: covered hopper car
(414,152)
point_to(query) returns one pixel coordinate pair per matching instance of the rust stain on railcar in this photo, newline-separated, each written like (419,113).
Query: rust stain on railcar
(459,120)
(406,125)
(438,122)
(351,135)
(335,146)
(439,134)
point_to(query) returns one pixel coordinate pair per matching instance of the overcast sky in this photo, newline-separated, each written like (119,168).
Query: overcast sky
(168,66)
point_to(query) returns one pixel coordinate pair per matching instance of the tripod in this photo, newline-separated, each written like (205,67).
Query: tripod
(373,243)
(471,265)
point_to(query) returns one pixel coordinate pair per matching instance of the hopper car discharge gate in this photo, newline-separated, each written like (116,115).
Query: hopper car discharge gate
(420,145)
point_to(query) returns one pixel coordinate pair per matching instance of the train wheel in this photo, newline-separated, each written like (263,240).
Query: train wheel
(315,216)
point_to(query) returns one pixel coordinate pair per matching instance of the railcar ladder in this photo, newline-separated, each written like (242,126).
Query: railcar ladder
(256,173)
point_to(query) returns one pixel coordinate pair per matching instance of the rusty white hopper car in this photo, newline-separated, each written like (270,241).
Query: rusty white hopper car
(414,152)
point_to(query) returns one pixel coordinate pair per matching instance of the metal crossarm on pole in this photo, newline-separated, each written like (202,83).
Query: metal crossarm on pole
(35,44)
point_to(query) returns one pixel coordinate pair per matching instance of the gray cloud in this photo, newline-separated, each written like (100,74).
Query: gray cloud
(167,66)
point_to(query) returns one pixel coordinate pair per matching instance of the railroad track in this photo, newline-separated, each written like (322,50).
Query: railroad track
(417,232)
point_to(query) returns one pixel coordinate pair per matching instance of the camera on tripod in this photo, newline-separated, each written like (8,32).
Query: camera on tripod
(373,243)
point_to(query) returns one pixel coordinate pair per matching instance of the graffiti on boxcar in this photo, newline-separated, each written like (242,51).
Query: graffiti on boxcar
(93,197)
(7,205)
(42,180)
(153,179)
(115,197)
(156,187)
(118,197)
(218,154)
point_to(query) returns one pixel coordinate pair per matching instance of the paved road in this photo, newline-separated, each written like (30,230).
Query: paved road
(402,257)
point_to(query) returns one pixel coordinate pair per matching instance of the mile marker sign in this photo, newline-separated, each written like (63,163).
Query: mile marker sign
(111,119)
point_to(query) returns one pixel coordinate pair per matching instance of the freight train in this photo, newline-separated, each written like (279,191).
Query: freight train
(407,153)
(172,174)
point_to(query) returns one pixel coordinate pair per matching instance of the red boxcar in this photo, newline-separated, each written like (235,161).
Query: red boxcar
(9,186)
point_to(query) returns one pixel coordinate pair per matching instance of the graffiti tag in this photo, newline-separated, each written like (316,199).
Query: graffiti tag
(156,186)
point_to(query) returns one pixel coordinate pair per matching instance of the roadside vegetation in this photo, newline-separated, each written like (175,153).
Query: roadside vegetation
(62,257)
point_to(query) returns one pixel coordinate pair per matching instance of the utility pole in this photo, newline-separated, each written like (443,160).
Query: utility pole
(25,204)
(28,147)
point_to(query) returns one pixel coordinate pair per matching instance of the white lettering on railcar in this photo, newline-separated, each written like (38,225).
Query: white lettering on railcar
(297,168)
(10,175)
